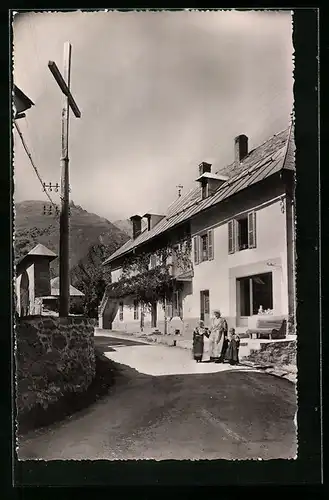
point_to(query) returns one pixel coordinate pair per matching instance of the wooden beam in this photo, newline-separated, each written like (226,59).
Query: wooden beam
(64,88)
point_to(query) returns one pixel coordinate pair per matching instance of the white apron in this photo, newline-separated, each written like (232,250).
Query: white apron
(216,339)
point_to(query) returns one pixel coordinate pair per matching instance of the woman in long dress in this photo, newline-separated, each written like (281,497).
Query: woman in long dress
(217,336)
(198,341)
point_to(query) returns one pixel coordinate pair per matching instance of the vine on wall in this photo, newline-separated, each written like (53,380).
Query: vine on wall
(157,284)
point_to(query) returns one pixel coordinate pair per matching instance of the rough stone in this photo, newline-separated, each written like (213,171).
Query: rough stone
(282,355)
(59,342)
(52,357)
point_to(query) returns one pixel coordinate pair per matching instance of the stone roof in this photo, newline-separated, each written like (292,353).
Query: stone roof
(38,251)
(43,251)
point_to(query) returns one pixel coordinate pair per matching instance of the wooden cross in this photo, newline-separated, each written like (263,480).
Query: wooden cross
(69,102)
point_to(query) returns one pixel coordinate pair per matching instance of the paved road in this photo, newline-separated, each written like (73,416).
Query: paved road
(165,406)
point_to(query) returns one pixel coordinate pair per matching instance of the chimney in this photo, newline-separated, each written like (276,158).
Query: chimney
(240,147)
(204,167)
(210,183)
(137,225)
(152,220)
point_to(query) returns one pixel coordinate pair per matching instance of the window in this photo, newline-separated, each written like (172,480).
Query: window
(136,310)
(121,311)
(203,247)
(242,233)
(204,190)
(255,291)
(153,261)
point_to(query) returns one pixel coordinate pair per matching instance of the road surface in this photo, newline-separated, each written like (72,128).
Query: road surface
(165,406)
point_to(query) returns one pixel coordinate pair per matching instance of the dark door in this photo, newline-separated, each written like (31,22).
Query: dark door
(204,306)
(154,315)
(142,317)
(24,294)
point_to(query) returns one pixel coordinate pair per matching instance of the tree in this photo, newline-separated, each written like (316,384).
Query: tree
(88,277)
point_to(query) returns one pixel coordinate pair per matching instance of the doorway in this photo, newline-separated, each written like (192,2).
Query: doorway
(204,306)
(154,315)
(24,294)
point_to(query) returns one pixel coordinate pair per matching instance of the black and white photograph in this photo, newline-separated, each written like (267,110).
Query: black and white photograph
(154,235)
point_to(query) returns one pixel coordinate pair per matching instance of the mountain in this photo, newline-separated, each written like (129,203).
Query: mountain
(88,233)
(125,225)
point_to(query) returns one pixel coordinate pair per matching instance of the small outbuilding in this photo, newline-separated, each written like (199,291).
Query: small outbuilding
(35,291)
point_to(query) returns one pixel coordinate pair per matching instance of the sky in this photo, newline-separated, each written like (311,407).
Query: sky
(159,92)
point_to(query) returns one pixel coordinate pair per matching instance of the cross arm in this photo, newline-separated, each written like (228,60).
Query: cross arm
(64,88)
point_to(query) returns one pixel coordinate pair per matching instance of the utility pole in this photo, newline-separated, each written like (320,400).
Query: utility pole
(69,102)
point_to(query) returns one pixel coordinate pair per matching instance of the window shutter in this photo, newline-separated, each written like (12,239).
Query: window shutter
(252,230)
(210,244)
(237,241)
(231,236)
(196,245)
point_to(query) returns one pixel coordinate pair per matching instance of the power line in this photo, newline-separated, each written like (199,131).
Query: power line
(33,165)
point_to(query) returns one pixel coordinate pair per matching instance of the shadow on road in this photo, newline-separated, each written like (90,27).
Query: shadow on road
(108,344)
(107,374)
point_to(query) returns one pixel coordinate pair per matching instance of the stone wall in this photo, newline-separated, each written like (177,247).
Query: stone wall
(279,353)
(54,356)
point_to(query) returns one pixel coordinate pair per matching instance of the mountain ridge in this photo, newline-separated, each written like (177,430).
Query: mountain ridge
(86,230)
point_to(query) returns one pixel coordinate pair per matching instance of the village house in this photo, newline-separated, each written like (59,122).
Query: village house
(36,293)
(236,229)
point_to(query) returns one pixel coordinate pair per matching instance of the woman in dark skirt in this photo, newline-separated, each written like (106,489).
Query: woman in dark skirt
(232,353)
(198,341)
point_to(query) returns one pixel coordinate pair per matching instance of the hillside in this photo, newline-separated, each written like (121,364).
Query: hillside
(87,231)
(125,225)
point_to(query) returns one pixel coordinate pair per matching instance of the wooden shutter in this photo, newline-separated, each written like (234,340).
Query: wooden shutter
(237,240)
(252,230)
(196,245)
(231,236)
(210,244)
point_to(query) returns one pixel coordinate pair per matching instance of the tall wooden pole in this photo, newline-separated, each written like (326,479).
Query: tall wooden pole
(64,235)
(64,238)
